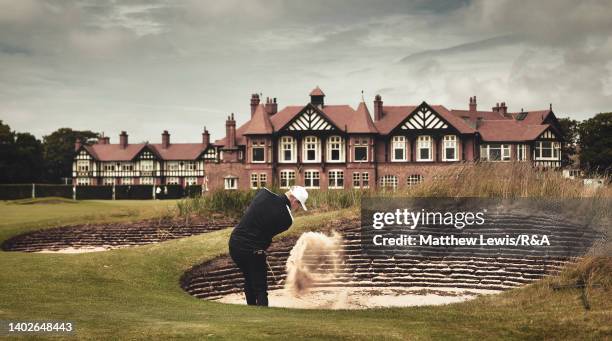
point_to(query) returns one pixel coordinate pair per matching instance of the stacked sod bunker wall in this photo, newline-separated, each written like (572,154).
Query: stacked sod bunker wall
(117,192)
(109,235)
(426,266)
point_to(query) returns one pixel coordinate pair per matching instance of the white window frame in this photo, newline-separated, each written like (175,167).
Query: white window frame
(335,142)
(555,151)
(147,180)
(147,165)
(230,183)
(424,142)
(83,181)
(258,145)
(287,143)
(485,150)
(335,179)
(311,143)
(398,143)
(361,143)
(521,152)
(173,180)
(361,180)
(288,177)
(191,181)
(388,181)
(310,175)
(450,142)
(108,181)
(127,181)
(173,166)
(414,179)
(127,167)
(83,165)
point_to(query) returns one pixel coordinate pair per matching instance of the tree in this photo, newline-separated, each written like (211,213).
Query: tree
(595,142)
(21,158)
(59,151)
(569,131)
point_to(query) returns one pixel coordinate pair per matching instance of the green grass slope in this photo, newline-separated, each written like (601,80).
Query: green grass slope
(134,293)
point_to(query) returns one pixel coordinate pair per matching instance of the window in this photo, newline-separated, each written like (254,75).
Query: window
(108,181)
(83,166)
(147,181)
(173,181)
(83,181)
(190,165)
(336,179)
(127,181)
(388,182)
(128,167)
(146,165)
(231,182)
(287,149)
(312,149)
(258,151)
(521,152)
(210,154)
(414,179)
(450,148)
(547,150)
(311,179)
(335,149)
(173,166)
(495,152)
(361,180)
(109,167)
(361,150)
(399,148)
(424,148)
(287,178)
(191,181)
(258,180)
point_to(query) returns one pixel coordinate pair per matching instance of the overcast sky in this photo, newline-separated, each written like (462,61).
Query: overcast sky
(180,65)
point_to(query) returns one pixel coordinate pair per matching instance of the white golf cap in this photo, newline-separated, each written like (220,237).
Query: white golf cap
(300,194)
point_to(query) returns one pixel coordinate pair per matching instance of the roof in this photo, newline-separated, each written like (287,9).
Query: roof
(259,123)
(510,130)
(395,115)
(317,92)
(175,151)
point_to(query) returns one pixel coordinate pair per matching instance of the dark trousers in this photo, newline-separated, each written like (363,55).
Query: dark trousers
(255,272)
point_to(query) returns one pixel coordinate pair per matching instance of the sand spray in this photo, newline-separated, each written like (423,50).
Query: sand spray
(315,257)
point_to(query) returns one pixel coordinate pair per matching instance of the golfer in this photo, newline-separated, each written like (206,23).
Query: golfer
(268,215)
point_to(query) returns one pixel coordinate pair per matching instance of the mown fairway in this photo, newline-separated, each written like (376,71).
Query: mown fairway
(135,293)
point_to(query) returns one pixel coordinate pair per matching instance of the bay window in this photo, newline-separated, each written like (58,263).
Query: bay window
(335,149)
(450,148)
(287,149)
(495,152)
(311,149)
(398,145)
(424,152)
(547,150)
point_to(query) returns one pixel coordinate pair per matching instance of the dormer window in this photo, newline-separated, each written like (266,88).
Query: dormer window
(398,145)
(312,149)
(287,149)
(424,152)
(335,149)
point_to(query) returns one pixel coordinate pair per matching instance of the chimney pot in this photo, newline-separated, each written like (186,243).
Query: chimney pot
(473,103)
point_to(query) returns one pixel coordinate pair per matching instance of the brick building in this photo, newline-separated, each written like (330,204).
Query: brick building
(328,146)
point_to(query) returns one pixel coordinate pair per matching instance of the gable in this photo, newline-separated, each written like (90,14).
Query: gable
(83,154)
(424,118)
(310,119)
(146,154)
(548,134)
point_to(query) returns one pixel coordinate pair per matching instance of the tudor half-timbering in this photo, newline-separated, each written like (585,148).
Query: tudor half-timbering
(329,147)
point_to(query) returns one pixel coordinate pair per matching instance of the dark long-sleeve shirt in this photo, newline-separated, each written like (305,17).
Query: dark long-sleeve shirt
(268,215)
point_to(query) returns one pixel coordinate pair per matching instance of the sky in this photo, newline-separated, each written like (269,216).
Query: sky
(149,66)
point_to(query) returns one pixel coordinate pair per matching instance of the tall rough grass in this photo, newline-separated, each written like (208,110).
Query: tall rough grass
(507,180)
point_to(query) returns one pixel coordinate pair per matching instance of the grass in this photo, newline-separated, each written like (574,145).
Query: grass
(134,293)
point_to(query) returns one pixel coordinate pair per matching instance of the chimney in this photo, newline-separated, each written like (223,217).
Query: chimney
(316,97)
(165,139)
(205,137)
(503,109)
(271,106)
(230,131)
(254,103)
(496,107)
(103,139)
(473,104)
(123,140)
(378,108)
(77,144)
